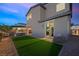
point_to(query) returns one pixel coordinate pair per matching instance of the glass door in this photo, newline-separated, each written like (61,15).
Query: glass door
(49,29)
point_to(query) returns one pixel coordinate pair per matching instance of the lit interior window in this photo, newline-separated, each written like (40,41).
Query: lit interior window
(60,6)
(48,24)
(29,16)
(19,28)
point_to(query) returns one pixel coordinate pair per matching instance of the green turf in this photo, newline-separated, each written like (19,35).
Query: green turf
(29,46)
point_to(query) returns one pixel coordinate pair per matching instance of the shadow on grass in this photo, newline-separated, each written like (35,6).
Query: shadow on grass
(55,49)
(22,38)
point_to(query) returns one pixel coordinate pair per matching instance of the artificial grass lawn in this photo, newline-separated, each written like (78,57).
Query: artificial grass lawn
(29,46)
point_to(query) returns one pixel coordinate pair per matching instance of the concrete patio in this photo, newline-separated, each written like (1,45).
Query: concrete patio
(71,48)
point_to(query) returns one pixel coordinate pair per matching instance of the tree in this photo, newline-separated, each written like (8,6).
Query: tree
(72,24)
(5,28)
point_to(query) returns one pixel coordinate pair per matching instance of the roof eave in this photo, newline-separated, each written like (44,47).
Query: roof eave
(39,4)
(56,16)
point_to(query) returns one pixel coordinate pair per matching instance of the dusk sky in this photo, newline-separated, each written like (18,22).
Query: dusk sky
(75,13)
(13,13)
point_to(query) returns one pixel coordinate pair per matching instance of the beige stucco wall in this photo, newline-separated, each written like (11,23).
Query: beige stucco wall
(62,26)
(38,29)
(51,9)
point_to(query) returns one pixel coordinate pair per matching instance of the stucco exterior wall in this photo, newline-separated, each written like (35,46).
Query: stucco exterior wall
(38,29)
(51,9)
(62,26)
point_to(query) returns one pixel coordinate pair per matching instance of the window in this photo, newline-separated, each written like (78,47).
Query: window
(48,24)
(60,6)
(75,31)
(49,28)
(29,16)
(30,31)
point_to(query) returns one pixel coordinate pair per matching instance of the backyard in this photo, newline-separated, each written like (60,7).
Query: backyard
(30,46)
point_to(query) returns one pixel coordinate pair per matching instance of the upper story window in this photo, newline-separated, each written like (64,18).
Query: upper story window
(60,6)
(29,16)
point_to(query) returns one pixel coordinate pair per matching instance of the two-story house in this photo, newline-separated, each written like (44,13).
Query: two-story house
(50,20)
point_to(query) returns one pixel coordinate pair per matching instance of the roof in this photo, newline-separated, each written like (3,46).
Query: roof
(40,4)
(75,27)
(56,16)
(19,25)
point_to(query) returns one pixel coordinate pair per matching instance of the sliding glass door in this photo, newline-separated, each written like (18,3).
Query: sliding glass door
(49,28)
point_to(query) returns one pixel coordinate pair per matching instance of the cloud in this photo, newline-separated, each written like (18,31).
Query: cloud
(12,13)
(75,9)
(27,5)
(8,9)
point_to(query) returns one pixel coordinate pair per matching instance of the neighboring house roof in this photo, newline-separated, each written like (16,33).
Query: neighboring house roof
(40,4)
(19,25)
(75,27)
